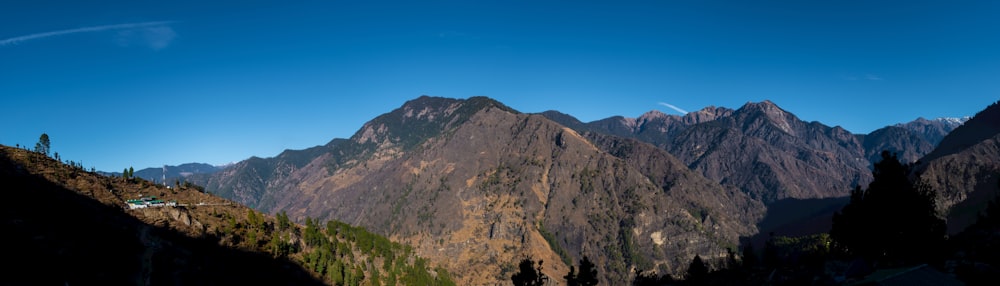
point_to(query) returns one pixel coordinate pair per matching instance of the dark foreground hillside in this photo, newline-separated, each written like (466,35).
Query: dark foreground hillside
(65,226)
(56,236)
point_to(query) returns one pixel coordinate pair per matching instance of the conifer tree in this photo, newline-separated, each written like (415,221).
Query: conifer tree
(571,277)
(893,221)
(528,275)
(43,144)
(588,273)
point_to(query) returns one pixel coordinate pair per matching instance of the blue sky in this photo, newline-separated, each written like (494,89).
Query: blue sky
(146,83)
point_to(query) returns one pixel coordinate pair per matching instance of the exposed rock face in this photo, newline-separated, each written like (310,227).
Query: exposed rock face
(965,168)
(476,186)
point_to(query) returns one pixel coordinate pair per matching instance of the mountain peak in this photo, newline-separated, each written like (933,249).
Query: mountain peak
(951,121)
(766,105)
(706,114)
(652,114)
(954,120)
(770,112)
(426,103)
(422,118)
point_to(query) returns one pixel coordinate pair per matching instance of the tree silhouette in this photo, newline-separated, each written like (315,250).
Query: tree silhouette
(697,270)
(588,273)
(892,221)
(528,274)
(43,144)
(571,277)
(586,277)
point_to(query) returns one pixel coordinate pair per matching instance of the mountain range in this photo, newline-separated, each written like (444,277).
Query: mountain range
(475,185)
(768,152)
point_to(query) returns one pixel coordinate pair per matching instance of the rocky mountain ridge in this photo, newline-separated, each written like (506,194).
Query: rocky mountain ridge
(477,180)
(766,149)
(759,148)
(479,185)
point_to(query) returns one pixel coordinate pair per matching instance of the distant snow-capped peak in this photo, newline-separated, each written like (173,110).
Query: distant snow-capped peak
(223,166)
(954,120)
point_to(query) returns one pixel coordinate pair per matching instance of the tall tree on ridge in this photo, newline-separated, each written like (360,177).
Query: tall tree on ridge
(43,145)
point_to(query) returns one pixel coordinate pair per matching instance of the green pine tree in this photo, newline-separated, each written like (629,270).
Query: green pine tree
(43,145)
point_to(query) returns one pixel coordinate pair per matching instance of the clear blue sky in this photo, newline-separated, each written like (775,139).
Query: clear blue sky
(146,83)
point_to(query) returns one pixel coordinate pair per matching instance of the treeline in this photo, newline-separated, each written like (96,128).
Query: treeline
(339,253)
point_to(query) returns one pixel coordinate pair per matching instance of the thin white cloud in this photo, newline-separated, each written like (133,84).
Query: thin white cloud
(671,106)
(155,37)
(872,77)
(127,26)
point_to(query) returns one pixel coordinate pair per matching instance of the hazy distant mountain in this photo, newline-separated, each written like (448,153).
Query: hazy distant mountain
(906,144)
(911,140)
(653,127)
(476,185)
(933,130)
(171,173)
(247,181)
(965,167)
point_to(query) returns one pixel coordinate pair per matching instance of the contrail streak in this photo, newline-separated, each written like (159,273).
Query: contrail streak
(671,106)
(19,39)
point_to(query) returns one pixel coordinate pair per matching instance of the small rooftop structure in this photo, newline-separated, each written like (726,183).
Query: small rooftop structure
(146,202)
